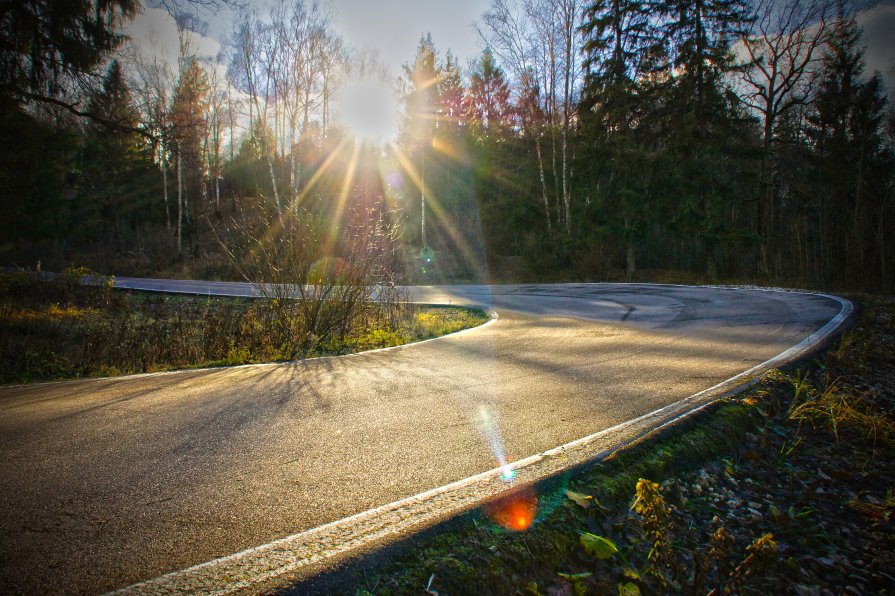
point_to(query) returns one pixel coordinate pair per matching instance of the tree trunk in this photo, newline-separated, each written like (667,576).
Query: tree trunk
(165,191)
(273,181)
(543,182)
(566,191)
(179,207)
(711,265)
(423,200)
(630,257)
(293,164)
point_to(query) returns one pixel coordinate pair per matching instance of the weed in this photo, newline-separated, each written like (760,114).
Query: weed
(63,329)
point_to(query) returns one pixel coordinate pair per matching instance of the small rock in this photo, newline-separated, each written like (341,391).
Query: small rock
(826,561)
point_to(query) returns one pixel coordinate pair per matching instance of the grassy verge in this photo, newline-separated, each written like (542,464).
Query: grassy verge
(62,329)
(785,489)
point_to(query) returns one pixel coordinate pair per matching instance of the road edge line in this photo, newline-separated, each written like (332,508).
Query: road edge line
(247,569)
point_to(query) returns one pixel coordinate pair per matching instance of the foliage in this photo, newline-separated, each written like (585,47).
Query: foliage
(116,185)
(646,159)
(65,328)
(47,42)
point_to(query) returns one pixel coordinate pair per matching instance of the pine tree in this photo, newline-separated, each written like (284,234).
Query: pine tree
(623,53)
(115,165)
(450,98)
(845,129)
(703,122)
(488,98)
(421,102)
(188,121)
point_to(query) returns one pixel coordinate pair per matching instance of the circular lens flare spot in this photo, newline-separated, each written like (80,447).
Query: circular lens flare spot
(516,511)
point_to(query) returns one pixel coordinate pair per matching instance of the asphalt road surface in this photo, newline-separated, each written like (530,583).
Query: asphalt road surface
(107,482)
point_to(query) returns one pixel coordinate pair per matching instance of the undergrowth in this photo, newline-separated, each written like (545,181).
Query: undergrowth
(62,328)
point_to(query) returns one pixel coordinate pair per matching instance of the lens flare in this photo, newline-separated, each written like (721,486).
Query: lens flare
(369,109)
(516,511)
(487,424)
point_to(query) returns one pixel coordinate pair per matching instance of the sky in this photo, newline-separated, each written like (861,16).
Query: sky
(394,27)
(389,29)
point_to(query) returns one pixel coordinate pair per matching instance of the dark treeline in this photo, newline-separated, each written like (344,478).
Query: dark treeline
(590,140)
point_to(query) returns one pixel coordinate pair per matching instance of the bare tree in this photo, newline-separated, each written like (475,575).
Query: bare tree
(782,47)
(152,81)
(302,66)
(218,118)
(507,31)
(570,21)
(252,64)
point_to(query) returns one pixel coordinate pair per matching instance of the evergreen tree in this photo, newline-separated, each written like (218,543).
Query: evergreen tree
(704,128)
(488,105)
(46,42)
(422,93)
(623,53)
(854,167)
(188,114)
(450,98)
(114,165)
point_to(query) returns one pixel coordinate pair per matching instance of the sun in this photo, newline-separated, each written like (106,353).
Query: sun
(369,109)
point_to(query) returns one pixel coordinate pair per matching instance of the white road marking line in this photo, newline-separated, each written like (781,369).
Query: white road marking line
(287,557)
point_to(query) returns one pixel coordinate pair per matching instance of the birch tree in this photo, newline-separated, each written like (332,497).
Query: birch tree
(254,54)
(507,30)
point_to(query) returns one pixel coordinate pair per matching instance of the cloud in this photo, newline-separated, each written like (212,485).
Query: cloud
(878,23)
(153,34)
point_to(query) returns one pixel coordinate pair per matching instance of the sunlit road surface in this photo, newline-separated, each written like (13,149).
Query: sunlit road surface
(109,482)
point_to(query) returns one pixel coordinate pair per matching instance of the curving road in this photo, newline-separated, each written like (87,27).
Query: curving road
(108,482)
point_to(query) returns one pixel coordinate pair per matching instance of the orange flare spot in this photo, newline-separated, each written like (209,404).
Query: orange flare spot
(515,511)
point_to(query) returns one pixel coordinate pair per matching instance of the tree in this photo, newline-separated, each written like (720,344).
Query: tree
(421,99)
(508,33)
(846,128)
(702,116)
(114,164)
(51,49)
(783,45)
(449,109)
(254,55)
(302,73)
(623,53)
(189,130)
(488,98)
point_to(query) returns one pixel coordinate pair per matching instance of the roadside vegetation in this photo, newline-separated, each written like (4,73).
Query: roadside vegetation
(63,329)
(788,488)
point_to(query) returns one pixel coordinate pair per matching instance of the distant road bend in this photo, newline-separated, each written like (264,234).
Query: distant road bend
(107,483)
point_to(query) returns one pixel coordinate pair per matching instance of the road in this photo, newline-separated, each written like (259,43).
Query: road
(108,482)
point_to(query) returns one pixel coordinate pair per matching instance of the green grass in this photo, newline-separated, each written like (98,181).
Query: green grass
(62,330)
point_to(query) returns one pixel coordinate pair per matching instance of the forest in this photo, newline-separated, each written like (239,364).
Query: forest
(694,140)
